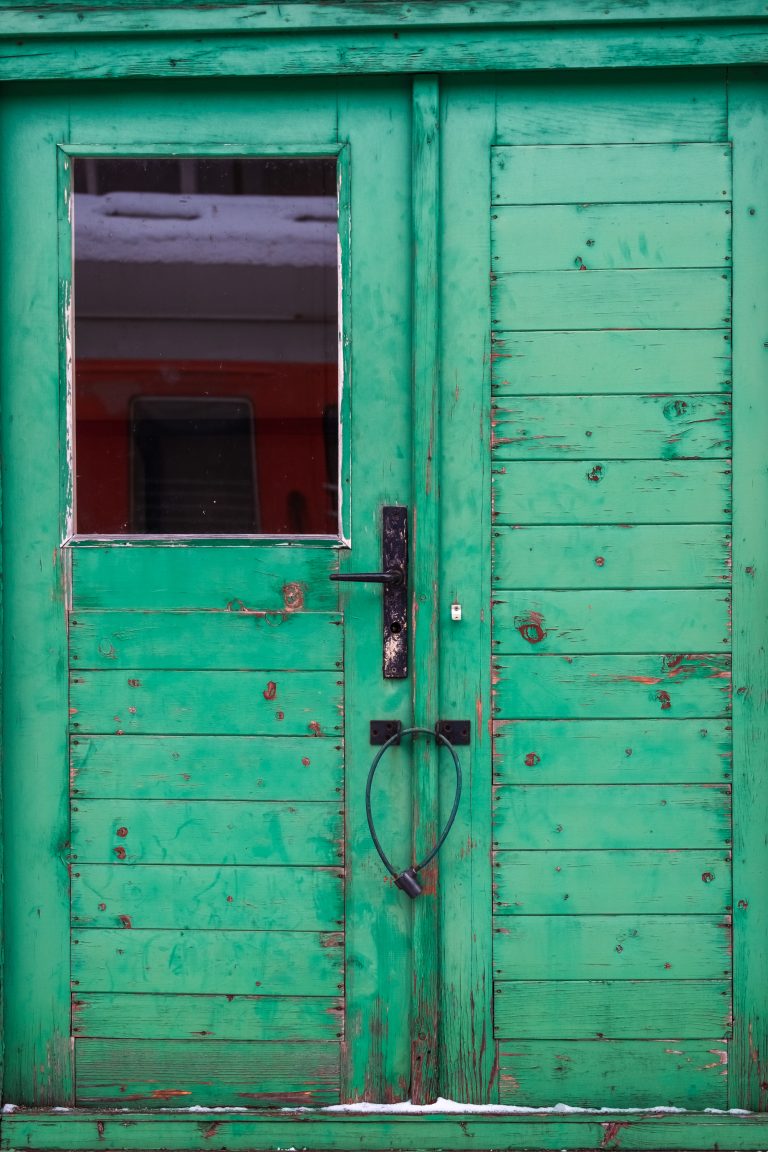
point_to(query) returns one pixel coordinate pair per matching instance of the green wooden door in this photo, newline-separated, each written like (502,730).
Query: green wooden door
(542,329)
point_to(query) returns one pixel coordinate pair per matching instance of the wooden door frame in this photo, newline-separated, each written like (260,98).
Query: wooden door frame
(115,40)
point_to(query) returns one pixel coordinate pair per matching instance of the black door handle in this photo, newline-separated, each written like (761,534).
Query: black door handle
(394,577)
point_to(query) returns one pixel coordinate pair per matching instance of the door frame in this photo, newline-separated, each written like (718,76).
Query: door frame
(113,41)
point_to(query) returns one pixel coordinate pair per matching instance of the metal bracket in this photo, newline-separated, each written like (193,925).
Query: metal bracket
(457,731)
(383,730)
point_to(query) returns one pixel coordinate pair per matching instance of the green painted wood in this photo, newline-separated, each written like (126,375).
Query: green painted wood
(378,973)
(257,579)
(618,107)
(563,816)
(201,897)
(647,427)
(178,1072)
(230,703)
(612,621)
(232,963)
(214,832)
(605,687)
(612,752)
(206,767)
(553,238)
(589,1073)
(749,1082)
(612,883)
(35,1025)
(667,492)
(141,1017)
(301,640)
(591,1009)
(612,556)
(328,52)
(612,947)
(611,361)
(467,1060)
(614,173)
(424,579)
(612,298)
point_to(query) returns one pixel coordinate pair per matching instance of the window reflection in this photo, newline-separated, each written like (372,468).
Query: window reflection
(206,335)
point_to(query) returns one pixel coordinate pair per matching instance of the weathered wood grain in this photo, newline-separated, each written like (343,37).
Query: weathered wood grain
(611,621)
(624,298)
(261,578)
(612,883)
(544,816)
(136,1016)
(612,173)
(600,1073)
(207,767)
(213,832)
(228,963)
(606,687)
(178,1072)
(592,1009)
(298,640)
(618,947)
(202,897)
(624,491)
(611,751)
(611,556)
(640,427)
(205,703)
(571,363)
(557,237)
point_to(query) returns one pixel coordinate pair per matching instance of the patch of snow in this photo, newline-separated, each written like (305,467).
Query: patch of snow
(10,1107)
(443,1106)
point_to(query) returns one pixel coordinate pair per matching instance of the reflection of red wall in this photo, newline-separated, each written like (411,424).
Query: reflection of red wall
(288,401)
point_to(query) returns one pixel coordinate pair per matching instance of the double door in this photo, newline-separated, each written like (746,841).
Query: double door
(248,322)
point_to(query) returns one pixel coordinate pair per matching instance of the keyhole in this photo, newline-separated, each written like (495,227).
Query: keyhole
(395,627)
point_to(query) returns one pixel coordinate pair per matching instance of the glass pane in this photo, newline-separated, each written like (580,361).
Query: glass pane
(206,345)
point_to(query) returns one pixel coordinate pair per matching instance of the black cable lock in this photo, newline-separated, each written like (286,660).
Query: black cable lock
(406,880)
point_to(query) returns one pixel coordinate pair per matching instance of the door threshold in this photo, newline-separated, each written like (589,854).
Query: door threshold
(375,1128)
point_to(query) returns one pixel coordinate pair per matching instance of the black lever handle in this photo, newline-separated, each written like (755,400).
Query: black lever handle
(394,578)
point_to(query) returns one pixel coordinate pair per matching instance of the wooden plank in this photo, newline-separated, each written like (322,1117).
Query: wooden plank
(612,108)
(216,832)
(624,298)
(625,491)
(611,751)
(297,640)
(603,1073)
(207,767)
(135,1016)
(558,237)
(202,897)
(209,576)
(612,621)
(230,963)
(607,687)
(149,1072)
(571,363)
(467,1061)
(612,883)
(424,589)
(249,1130)
(749,1082)
(544,816)
(611,556)
(646,427)
(230,703)
(593,1009)
(620,947)
(610,173)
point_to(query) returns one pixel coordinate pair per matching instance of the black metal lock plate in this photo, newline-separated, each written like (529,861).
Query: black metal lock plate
(457,731)
(394,555)
(383,730)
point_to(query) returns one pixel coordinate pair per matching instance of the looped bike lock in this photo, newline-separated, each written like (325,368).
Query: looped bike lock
(406,880)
